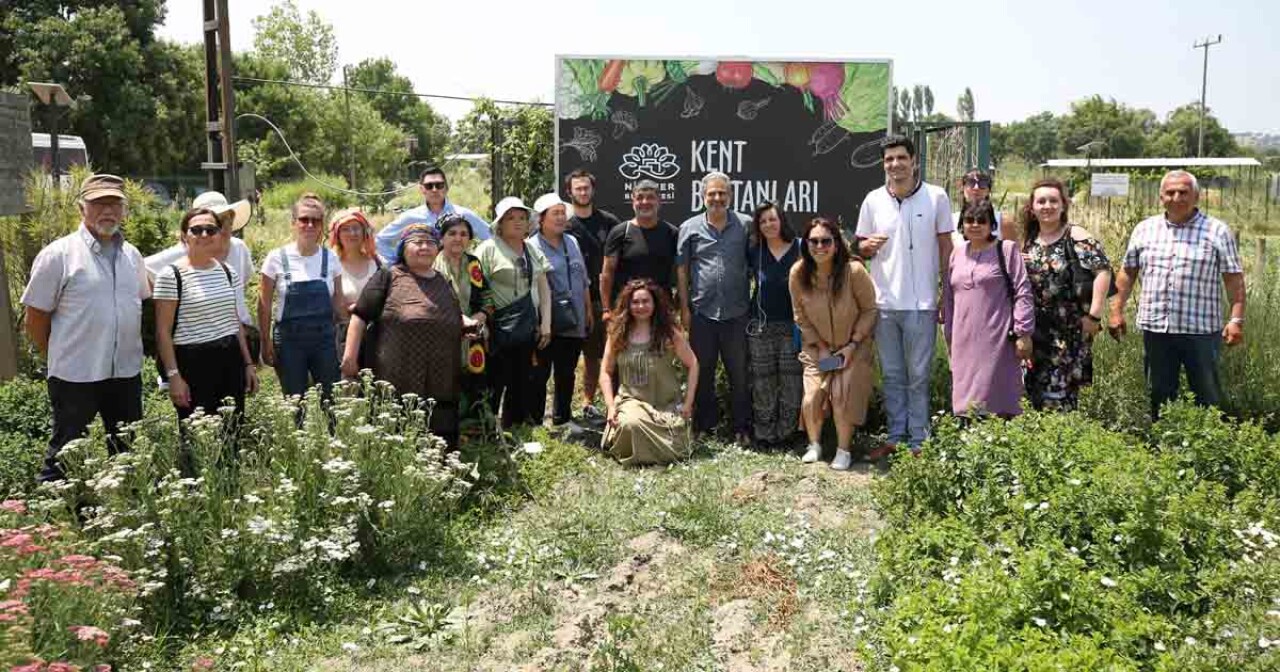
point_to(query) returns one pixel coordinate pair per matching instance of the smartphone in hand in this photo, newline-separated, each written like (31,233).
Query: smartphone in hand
(830,363)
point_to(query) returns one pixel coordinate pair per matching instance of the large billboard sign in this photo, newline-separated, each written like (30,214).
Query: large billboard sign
(801,134)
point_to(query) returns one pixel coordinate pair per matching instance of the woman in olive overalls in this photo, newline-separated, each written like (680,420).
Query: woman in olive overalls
(298,333)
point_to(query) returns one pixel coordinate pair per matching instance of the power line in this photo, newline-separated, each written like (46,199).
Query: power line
(308,173)
(382,92)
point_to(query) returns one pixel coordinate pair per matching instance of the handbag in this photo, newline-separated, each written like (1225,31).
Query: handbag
(1082,278)
(564,319)
(515,324)
(1008,286)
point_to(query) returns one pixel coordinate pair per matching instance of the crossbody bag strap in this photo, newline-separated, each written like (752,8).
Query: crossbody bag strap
(177,279)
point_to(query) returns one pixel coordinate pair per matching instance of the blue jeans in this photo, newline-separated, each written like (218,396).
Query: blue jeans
(305,355)
(1163,357)
(905,340)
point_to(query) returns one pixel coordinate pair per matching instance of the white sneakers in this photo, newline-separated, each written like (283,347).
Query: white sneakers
(844,459)
(812,454)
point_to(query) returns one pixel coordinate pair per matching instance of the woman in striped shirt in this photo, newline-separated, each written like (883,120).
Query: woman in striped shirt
(199,337)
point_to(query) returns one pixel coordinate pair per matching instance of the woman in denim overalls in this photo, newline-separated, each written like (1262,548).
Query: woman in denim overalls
(299,341)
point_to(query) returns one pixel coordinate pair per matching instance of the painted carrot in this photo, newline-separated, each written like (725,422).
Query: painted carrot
(612,75)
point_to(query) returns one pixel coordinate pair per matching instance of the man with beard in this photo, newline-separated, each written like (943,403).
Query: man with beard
(643,247)
(84,313)
(590,226)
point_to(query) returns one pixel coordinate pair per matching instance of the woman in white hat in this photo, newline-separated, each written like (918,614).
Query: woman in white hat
(517,276)
(570,307)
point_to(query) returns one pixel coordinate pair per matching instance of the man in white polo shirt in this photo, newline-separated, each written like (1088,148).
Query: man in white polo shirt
(905,229)
(84,312)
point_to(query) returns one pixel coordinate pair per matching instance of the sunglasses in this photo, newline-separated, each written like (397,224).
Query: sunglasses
(975,220)
(822,242)
(204,231)
(433,186)
(310,221)
(978,182)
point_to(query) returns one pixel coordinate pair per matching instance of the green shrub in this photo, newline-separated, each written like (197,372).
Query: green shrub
(1049,542)
(25,424)
(282,195)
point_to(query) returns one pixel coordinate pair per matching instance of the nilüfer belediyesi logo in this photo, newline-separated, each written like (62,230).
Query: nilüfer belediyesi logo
(649,160)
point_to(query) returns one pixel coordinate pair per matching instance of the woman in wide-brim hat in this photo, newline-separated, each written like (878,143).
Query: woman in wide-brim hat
(521,324)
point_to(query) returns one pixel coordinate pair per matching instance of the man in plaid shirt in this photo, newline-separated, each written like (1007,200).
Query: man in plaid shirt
(1182,253)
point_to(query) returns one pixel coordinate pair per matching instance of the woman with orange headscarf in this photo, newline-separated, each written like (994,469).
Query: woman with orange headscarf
(351,236)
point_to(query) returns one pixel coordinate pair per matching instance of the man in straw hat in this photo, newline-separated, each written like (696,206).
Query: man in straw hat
(83,313)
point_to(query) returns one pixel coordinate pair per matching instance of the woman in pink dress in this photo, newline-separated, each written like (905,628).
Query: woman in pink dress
(989,315)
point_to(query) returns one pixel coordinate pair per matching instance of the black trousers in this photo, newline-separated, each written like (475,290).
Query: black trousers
(213,371)
(508,374)
(75,405)
(561,354)
(713,341)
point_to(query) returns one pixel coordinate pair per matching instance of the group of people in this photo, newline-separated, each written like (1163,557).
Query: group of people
(481,317)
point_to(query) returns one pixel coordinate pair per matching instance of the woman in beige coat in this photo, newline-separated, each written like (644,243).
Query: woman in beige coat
(834,302)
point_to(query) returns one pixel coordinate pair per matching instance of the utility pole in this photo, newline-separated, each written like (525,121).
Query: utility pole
(219,101)
(351,148)
(1204,85)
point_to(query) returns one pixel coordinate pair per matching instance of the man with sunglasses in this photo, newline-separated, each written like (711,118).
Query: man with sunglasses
(83,312)
(976,186)
(434,187)
(904,228)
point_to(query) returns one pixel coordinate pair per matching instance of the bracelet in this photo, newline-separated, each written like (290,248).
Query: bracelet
(1093,317)
(249,365)
(170,373)
(1237,320)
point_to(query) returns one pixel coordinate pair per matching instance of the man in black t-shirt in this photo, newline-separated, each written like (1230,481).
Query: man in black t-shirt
(590,227)
(643,247)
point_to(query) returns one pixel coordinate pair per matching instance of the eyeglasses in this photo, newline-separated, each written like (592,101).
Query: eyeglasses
(310,221)
(822,242)
(432,186)
(204,231)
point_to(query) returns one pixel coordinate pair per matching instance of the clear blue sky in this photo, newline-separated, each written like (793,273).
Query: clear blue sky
(1019,58)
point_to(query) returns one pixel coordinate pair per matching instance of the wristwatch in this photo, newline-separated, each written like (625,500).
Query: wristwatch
(170,373)
(1237,320)
(1093,317)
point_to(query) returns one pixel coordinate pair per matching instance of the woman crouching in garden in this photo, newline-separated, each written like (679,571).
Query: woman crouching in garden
(834,302)
(417,327)
(647,419)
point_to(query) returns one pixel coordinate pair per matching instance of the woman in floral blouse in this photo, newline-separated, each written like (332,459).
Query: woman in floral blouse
(1062,358)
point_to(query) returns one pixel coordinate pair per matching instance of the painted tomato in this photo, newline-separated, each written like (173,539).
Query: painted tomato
(734,74)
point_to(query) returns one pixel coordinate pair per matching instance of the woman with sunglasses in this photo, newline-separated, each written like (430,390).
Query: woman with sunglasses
(777,377)
(351,236)
(517,275)
(199,337)
(418,327)
(648,419)
(834,301)
(298,302)
(988,316)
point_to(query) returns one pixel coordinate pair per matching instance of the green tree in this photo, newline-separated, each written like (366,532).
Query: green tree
(407,112)
(16,18)
(1123,129)
(306,45)
(526,160)
(1179,135)
(1034,139)
(964,106)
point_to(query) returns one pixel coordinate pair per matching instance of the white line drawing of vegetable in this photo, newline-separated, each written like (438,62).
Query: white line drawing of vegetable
(747,109)
(692,104)
(584,141)
(861,158)
(827,137)
(623,122)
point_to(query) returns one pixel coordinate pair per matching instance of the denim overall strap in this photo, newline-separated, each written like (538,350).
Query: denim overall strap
(308,301)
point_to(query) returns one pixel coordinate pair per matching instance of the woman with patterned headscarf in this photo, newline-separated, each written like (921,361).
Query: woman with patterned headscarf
(462,270)
(417,326)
